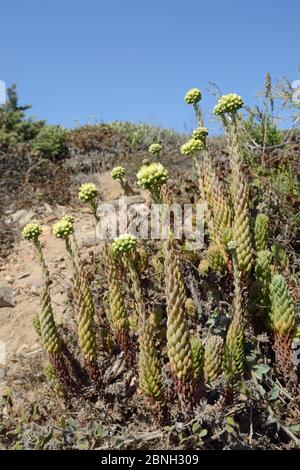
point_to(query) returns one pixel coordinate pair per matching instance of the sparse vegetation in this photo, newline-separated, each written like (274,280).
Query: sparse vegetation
(199,346)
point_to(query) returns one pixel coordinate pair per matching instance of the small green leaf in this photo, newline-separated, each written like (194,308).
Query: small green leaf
(196,428)
(274,393)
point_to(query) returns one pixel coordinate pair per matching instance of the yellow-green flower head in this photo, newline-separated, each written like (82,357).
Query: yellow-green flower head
(193,96)
(87,192)
(118,172)
(64,228)
(152,176)
(155,149)
(69,218)
(200,133)
(228,104)
(123,244)
(32,232)
(191,146)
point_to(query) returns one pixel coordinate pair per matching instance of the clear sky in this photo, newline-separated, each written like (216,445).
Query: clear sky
(134,59)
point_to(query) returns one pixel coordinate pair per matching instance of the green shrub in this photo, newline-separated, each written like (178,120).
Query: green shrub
(15,128)
(51,142)
(263,133)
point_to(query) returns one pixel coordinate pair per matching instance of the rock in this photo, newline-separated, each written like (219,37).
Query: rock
(23,216)
(6,294)
(23,275)
(50,219)
(88,240)
(48,208)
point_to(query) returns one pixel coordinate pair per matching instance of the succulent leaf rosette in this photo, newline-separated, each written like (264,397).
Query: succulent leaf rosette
(152,176)
(32,232)
(230,104)
(64,228)
(87,192)
(155,149)
(124,244)
(193,96)
(118,173)
(191,147)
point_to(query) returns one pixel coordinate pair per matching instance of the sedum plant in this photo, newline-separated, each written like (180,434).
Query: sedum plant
(283,324)
(119,317)
(197,357)
(45,322)
(261,232)
(213,358)
(178,339)
(84,305)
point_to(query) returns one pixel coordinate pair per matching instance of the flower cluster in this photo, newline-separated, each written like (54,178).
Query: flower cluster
(200,133)
(64,228)
(118,172)
(123,244)
(87,192)
(191,146)
(193,96)
(228,104)
(32,232)
(152,176)
(155,149)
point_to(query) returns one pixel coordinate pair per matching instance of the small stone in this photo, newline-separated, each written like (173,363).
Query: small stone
(6,294)
(23,275)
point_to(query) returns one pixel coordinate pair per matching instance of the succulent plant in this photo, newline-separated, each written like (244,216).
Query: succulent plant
(44,322)
(263,278)
(282,306)
(149,362)
(234,355)
(193,96)
(118,313)
(230,103)
(213,358)
(280,257)
(261,232)
(216,258)
(197,356)
(178,338)
(241,226)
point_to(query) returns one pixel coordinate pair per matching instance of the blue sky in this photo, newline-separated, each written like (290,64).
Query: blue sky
(134,59)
